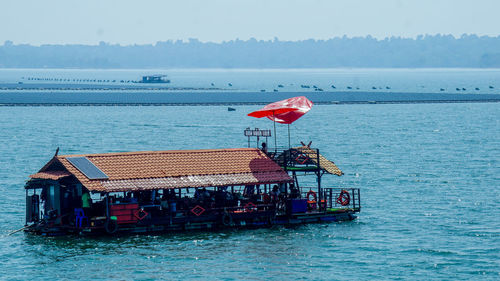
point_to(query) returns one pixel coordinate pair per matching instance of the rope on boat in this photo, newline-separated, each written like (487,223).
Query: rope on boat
(15,231)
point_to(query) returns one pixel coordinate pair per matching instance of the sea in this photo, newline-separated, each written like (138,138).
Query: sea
(429,175)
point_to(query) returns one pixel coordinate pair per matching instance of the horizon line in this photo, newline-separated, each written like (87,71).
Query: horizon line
(253,39)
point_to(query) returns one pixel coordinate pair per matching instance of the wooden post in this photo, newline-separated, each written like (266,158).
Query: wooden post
(331,198)
(320,197)
(107,206)
(28,205)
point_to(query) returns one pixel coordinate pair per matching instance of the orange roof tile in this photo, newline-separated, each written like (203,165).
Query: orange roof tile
(325,164)
(210,167)
(50,175)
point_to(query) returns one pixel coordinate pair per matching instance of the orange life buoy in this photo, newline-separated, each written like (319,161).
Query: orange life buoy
(313,195)
(344,198)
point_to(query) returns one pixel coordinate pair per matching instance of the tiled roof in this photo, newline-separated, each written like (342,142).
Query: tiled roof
(50,175)
(195,181)
(324,163)
(178,168)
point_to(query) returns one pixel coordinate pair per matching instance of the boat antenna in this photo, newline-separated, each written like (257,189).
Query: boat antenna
(57,152)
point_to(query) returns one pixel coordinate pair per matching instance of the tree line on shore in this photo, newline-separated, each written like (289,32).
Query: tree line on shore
(469,51)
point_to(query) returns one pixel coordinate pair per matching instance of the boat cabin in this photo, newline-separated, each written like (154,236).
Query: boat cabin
(157,78)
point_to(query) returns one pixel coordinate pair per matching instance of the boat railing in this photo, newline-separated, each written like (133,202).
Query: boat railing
(246,207)
(333,198)
(297,159)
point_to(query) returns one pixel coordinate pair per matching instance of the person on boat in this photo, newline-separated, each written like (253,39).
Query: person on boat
(205,194)
(264,147)
(164,200)
(275,193)
(197,194)
(86,203)
(294,192)
(249,190)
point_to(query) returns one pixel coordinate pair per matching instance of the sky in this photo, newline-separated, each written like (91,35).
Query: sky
(129,22)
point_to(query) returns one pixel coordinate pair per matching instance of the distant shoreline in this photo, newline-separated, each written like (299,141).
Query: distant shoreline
(237,104)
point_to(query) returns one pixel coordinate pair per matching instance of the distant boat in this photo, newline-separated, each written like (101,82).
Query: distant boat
(349,87)
(374,88)
(262,90)
(231,109)
(230,84)
(212,84)
(441,89)
(157,78)
(275,90)
(458,89)
(280,86)
(477,89)
(491,87)
(333,87)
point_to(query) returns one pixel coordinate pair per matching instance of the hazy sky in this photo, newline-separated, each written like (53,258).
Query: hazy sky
(147,21)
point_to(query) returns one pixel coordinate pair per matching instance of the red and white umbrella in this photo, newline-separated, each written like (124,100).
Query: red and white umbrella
(284,111)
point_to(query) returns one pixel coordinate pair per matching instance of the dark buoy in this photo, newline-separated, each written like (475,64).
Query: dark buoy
(333,87)
(477,89)
(275,90)
(280,86)
(349,87)
(262,91)
(231,109)
(441,89)
(463,89)
(491,87)
(230,84)
(374,88)
(458,89)
(212,84)
(388,88)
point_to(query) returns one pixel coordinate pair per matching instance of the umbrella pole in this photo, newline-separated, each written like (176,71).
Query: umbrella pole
(288,136)
(275,145)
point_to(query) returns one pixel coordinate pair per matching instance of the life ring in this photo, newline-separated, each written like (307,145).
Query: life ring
(312,203)
(315,197)
(227,220)
(111,226)
(344,198)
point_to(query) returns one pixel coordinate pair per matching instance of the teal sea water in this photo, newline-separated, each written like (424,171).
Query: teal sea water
(429,176)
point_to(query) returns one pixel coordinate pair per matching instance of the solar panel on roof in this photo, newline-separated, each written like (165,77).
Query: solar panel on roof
(87,168)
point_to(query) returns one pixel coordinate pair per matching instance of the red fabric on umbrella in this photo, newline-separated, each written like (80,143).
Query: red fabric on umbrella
(301,106)
(266,112)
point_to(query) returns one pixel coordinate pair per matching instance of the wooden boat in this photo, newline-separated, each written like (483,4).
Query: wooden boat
(183,190)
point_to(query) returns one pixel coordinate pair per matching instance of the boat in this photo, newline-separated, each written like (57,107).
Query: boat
(188,190)
(182,190)
(157,78)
